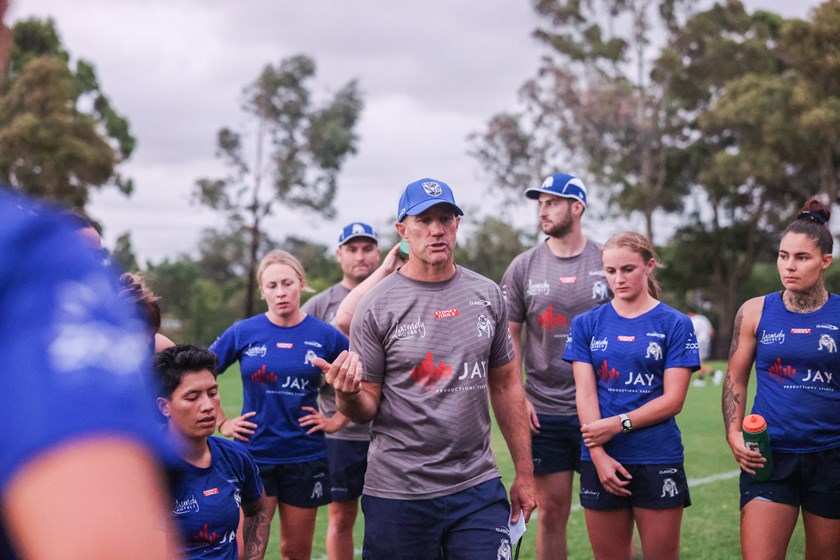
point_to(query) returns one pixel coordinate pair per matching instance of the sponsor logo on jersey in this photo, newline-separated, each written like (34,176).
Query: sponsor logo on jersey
(827,343)
(538,288)
(800,331)
(606,373)
(185,506)
(568,279)
(255,351)
(817,376)
(827,326)
(548,320)
(504,288)
(482,302)
(211,492)
(429,373)
(597,273)
(597,345)
(623,338)
(285,345)
(206,536)
(656,335)
(485,327)
(295,383)
(780,371)
(772,338)
(410,330)
(643,379)
(444,313)
(654,351)
(263,376)
(313,343)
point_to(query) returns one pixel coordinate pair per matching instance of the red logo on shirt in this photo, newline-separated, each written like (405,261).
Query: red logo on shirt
(285,345)
(626,338)
(205,536)
(211,492)
(800,331)
(260,376)
(781,372)
(606,373)
(548,320)
(444,313)
(428,373)
(568,279)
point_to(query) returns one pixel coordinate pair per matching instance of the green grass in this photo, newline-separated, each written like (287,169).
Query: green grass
(710,525)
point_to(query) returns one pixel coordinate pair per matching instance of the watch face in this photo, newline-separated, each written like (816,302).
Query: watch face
(626,425)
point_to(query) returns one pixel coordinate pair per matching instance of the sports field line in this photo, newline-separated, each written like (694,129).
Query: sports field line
(692,483)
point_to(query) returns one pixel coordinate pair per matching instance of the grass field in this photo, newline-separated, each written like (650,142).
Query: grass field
(710,525)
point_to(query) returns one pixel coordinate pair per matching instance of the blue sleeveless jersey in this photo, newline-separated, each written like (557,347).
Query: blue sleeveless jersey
(797,367)
(73,351)
(630,357)
(207,500)
(278,378)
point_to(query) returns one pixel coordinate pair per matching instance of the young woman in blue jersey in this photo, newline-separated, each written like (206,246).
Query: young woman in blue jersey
(792,338)
(632,360)
(218,477)
(275,351)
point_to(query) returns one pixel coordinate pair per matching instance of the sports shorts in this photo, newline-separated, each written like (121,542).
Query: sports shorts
(809,480)
(305,484)
(348,463)
(652,487)
(557,447)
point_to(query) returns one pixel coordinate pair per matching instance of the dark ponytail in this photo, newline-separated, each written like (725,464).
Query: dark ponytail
(812,221)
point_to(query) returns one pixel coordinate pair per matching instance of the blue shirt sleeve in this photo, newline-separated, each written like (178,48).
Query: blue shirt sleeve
(683,351)
(74,352)
(225,348)
(577,345)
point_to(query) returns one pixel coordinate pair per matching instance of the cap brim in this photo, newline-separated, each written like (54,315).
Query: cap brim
(425,205)
(357,236)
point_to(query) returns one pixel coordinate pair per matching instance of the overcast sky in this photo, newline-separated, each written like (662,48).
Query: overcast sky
(431,73)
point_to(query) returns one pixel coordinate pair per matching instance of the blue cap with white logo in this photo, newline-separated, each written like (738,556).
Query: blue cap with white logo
(356,230)
(421,195)
(560,184)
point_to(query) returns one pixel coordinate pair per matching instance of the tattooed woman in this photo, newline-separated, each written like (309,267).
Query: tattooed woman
(791,336)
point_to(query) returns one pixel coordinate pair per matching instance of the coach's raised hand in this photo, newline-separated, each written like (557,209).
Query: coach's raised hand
(344,374)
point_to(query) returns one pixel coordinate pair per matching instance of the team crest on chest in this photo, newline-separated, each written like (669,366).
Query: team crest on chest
(599,290)
(484,326)
(310,355)
(827,343)
(654,351)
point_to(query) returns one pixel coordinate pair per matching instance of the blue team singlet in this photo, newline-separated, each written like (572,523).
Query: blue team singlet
(630,357)
(797,367)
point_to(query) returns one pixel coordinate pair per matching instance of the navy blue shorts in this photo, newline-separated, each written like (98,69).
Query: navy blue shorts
(304,485)
(809,480)
(348,463)
(557,447)
(652,487)
(462,526)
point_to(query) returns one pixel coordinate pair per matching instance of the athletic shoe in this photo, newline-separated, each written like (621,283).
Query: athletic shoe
(717,377)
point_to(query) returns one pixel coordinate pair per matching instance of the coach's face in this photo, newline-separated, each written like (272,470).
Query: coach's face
(431,234)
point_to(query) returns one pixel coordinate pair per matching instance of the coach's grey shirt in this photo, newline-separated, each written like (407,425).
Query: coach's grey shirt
(324,306)
(545,292)
(430,345)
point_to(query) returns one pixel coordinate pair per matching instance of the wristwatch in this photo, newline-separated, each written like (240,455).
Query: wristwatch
(626,424)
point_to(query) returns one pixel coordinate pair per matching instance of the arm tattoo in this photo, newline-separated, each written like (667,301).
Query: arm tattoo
(736,332)
(729,402)
(255,531)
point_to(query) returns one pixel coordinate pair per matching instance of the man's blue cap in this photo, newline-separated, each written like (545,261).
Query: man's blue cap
(356,230)
(421,195)
(560,184)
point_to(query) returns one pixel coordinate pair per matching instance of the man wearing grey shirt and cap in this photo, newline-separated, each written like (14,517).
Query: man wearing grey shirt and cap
(545,288)
(429,344)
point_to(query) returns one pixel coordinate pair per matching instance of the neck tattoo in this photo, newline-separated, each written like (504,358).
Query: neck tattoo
(805,302)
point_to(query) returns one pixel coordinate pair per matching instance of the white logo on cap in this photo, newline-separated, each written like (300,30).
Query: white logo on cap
(432,189)
(358,229)
(548,183)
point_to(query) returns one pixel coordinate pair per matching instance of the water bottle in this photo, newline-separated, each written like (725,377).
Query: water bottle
(756,438)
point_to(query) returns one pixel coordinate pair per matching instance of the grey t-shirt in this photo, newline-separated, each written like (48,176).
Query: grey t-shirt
(324,306)
(545,292)
(431,346)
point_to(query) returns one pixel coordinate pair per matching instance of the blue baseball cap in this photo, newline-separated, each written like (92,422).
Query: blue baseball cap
(356,230)
(421,195)
(560,184)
